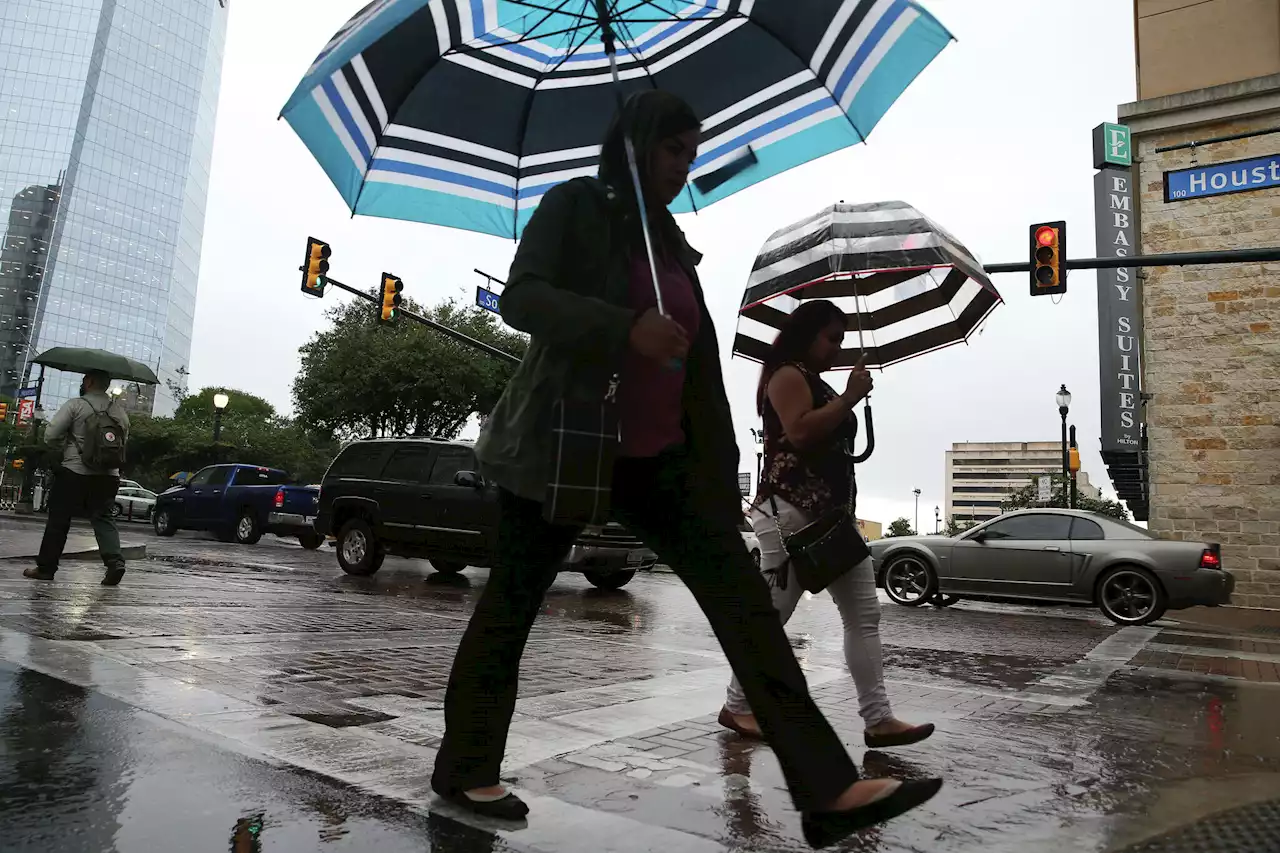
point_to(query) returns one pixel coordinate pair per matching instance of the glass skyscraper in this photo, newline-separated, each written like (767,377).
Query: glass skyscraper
(107,110)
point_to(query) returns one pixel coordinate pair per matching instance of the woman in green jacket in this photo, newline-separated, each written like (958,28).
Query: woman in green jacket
(581,286)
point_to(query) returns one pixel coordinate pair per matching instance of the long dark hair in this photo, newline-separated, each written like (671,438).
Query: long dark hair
(795,338)
(648,117)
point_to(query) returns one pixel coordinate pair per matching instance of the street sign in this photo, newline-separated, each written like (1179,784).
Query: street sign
(1236,176)
(1045,495)
(28,392)
(487,299)
(744,483)
(26,409)
(1111,146)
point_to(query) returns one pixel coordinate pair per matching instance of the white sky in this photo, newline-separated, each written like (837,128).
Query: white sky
(994,136)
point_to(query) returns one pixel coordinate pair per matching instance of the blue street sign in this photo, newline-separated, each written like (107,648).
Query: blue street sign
(28,392)
(487,299)
(1237,176)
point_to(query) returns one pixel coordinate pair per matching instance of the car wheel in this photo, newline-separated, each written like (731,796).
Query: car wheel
(247,530)
(755,557)
(943,600)
(910,581)
(1128,595)
(310,540)
(610,580)
(448,567)
(358,550)
(163,523)
(116,510)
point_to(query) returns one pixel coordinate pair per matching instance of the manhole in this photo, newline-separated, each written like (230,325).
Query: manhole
(343,721)
(1247,829)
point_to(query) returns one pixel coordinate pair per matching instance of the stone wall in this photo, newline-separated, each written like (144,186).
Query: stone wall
(1212,351)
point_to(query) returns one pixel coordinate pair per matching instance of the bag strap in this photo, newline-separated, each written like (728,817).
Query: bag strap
(781,573)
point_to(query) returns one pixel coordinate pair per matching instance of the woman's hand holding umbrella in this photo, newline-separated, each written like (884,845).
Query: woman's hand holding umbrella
(660,338)
(859,383)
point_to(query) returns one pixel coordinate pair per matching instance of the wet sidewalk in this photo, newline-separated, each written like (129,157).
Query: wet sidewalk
(20,540)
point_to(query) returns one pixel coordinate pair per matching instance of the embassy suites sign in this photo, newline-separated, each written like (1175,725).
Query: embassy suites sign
(1119,317)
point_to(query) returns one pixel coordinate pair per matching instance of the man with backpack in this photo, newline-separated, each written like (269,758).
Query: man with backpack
(91,431)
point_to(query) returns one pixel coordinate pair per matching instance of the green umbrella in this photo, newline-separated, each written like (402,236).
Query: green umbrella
(79,360)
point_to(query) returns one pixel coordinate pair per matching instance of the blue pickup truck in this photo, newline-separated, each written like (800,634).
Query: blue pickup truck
(239,503)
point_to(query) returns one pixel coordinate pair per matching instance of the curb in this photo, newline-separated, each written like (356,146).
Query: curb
(128,552)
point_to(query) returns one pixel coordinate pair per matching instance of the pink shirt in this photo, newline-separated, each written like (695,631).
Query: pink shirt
(650,394)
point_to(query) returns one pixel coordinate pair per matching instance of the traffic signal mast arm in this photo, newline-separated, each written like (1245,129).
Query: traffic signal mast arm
(1170,259)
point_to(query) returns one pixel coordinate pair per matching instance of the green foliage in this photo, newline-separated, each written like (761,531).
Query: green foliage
(1026,498)
(955,528)
(899,527)
(360,378)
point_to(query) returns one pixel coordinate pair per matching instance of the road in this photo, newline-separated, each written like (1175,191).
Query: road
(1057,730)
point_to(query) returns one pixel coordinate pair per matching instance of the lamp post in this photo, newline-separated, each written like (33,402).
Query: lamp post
(916,492)
(937,521)
(758,436)
(220,402)
(1063,399)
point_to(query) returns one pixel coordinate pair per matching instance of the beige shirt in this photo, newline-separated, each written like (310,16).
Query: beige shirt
(70,427)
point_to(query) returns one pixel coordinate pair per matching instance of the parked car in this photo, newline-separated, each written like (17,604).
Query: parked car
(749,539)
(239,503)
(133,502)
(1056,556)
(414,497)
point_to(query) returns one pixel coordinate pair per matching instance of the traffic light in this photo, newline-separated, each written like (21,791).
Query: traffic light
(1073,459)
(18,463)
(391,287)
(4,411)
(1048,252)
(315,267)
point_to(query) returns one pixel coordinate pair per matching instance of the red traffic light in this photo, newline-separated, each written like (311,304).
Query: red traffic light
(1047,236)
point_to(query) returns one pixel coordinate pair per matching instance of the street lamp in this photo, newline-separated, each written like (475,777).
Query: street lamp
(220,402)
(758,436)
(1063,399)
(937,521)
(916,492)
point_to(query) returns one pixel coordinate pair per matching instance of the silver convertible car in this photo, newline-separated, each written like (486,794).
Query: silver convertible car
(1055,556)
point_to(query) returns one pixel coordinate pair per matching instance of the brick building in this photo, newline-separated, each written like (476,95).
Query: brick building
(1209,74)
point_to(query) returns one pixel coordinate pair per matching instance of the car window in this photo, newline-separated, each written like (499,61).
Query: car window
(219,476)
(1034,526)
(410,464)
(260,477)
(144,493)
(362,459)
(1083,528)
(449,462)
(202,477)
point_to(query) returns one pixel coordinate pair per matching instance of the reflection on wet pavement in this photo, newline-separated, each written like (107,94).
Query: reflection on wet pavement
(1056,731)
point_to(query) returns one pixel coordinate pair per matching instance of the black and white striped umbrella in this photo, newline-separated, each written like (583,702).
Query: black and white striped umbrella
(908,286)
(465,112)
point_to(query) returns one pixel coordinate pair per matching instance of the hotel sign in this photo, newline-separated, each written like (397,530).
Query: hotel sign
(1119,317)
(1237,176)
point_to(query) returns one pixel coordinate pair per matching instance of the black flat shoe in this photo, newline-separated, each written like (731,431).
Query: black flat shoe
(37,574)
(915,734)
(726,719)
(113,576)
(509,807)
(822,829)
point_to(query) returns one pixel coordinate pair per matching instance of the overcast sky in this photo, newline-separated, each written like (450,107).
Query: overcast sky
(993,136)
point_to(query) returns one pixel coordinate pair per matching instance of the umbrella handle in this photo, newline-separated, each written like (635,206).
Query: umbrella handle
(871,436)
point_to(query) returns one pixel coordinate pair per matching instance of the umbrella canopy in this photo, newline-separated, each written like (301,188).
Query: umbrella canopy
(465,112)
(908,286)
(78,360)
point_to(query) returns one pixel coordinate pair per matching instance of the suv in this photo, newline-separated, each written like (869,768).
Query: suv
(415,497)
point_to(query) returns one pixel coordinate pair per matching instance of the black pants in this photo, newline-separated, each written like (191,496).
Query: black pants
(649,498)
(88,496)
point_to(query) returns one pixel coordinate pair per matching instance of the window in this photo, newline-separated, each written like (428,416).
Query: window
(202,477)
(450,461)
(362,459)
(1083,528)
(410,464)
(1031,527)
(219,476)
(260,477)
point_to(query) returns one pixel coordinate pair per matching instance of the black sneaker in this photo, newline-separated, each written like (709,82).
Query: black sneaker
(37,574)
(113,576)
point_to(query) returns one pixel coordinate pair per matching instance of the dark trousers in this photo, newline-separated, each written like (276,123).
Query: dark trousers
(88,496)
(650,499)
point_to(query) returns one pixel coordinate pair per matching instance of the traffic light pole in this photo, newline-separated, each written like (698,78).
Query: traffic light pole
(431,324)
(1170,259)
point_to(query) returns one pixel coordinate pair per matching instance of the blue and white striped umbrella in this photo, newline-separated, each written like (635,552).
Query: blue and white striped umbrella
(465,112)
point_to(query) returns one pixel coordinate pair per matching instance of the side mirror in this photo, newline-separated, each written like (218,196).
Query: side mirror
(979,537)
(468,479)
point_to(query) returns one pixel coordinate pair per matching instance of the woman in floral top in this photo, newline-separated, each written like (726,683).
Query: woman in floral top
(808,430)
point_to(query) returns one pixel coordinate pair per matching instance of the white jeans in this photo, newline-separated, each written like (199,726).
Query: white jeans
(855,596)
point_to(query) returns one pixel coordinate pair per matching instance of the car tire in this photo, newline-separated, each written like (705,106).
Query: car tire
(310,540)
(358,550)
(247,530)
(162,523)
(610,580)
(909,580)
(116,510)
(447,567)
(1130,595)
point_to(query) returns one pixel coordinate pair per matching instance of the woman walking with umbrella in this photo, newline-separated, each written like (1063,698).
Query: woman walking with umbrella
(582,286)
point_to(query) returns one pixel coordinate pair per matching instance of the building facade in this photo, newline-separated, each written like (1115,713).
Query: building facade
(1206,145)
(105,143)
(981,475)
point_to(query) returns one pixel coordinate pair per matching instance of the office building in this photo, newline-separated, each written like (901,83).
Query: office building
(983,474)
(1205,141)
(106,135)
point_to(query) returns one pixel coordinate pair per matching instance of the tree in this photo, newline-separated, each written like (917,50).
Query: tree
(900,527)
(955,528)
(360,378)
(1027,497)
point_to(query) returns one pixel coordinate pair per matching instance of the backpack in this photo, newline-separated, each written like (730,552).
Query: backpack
(104,441)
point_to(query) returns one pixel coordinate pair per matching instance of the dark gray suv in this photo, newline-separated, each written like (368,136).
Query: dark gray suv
(417,497)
